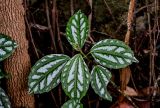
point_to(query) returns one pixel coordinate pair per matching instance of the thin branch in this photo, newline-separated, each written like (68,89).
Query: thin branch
(120,25)
(122,93)
(72,12)
(130,20)
(54,25)
(31,38)
(58,33)
(155,87)
(89,103)
(52,33)
(54,99)
(60,94)
(39,27)
(151,45)
(110,11)
(34,22)
(71,7)
(134,85)
(29,30)
(97,104)
(101,33)
(155,39)
(142,8)
(126,40)
(157,19)
(90,20)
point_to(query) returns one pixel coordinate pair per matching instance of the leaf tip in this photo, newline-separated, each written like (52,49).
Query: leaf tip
(135,60)
(30,91)
(15,45)
(110,99)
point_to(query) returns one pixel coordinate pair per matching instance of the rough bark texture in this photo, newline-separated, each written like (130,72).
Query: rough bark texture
(18,65)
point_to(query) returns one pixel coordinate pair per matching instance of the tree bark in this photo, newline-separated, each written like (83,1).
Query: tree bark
(18,65)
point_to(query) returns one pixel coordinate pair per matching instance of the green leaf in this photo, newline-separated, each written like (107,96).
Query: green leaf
(100,78)
(2,75)
(75,77)
(73,103)
(4,100)
(45,74)
(113,53)
(7,46)
(77,30)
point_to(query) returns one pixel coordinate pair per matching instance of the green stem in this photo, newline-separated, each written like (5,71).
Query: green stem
(88,53)
(82,53)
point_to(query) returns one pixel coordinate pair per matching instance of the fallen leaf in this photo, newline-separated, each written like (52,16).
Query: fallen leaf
(130,91)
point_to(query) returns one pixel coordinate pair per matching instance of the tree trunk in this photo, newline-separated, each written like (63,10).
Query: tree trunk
(18,65)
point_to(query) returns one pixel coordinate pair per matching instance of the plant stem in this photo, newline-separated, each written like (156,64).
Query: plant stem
(124,71)
(51,31)
(88,53)
(82,53)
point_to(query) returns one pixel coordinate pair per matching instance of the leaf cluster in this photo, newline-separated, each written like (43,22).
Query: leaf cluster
(7,47)
(73,73)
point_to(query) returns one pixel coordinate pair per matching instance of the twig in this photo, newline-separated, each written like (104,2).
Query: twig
(60,94)
(155,39)
(130,20)
(126,40)
(155,88)
(110,11)
(54,99)
(97,104)
(134,85)
(101,33)
(72,12)
(157,19)
(52,33)
(34,22)
(58,33)
(55,24)
(89,104)
(29,30)
(71,7)
(125,20)
(122,93)
(119,27)
(54,8)
(142,8)
(90,20)
(39,27)
(31,38)
(151,45)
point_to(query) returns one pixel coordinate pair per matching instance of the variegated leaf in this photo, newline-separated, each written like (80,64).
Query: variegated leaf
(4,101)
(73,103)
(77,30)
(113,53)
(75,77)
(7,46)
(45,74)
(100,78)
